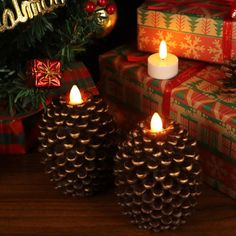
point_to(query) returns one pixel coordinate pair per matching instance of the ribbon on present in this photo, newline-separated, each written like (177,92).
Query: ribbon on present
(227,37)
(136,58)
(228,6)
(222,5)
(173,83)
(178,80)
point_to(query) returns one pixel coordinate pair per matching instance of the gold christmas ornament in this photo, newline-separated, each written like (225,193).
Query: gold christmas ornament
(78,141)
(105,20)
(157,176)
(27,10)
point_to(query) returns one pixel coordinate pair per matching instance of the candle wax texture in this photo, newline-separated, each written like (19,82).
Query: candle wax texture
(162,68)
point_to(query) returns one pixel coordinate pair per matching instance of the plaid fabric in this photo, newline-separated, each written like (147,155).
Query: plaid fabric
(218,172)
(12,137)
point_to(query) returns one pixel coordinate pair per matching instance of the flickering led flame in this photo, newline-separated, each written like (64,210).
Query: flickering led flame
(75,96)
(163,50)
(156,123)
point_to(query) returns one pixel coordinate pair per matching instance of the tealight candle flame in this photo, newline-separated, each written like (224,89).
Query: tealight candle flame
(156,123)
(163,50)
(75,96)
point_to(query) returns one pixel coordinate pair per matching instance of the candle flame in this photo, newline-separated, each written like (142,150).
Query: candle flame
(163,50)
(75,96)
(156,123)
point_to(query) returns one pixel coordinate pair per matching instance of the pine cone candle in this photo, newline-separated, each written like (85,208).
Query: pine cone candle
(78,144)
(229,81)
(157,176)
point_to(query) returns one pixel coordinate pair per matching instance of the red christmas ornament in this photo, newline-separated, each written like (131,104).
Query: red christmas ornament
(102,3)
(44,73)
(90,7)
(111,9)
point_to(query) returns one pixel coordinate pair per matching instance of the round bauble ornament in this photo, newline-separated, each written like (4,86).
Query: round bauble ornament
(106,18)
(157,177)
(78,145)
(111,9)
(90,7)
(102,3)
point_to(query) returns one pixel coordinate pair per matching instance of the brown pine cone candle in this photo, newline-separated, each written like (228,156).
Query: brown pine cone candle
(157,176)
(78,143)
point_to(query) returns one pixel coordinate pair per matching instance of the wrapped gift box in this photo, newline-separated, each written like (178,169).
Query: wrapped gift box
(192,98)
(202,30)
(18,134)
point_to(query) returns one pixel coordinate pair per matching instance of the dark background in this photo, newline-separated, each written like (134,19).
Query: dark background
(125,31)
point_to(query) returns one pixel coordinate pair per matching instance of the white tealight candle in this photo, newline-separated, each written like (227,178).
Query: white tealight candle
(162,65)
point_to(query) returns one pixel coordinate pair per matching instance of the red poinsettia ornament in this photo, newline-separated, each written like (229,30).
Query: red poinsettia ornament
(45,73)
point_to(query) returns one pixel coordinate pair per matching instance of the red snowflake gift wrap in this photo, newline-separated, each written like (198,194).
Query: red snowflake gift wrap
(192,99)
(45,73)
(201,30)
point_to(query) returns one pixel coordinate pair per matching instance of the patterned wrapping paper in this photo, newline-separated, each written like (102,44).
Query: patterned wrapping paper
(196,104)
(194,31)
(219,172)
(15,138)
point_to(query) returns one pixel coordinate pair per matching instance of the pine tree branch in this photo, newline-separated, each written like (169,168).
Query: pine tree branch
(57,35)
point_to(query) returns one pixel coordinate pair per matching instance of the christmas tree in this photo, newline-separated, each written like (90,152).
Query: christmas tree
(33,29)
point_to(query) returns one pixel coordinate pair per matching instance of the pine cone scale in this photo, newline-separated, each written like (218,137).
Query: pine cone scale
(157,185)
(77,145)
